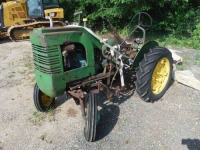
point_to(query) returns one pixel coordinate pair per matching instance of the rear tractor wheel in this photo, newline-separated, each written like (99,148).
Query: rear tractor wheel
(154,74)
(42,101)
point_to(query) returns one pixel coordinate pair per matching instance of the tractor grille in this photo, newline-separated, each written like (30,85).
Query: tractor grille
(47,59)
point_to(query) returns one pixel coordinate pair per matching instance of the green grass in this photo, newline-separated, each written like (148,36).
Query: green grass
(166,39)
(11,75)
(39,117)
(197,60)
(175,41)
(185,64)
(28,64)
(182,67)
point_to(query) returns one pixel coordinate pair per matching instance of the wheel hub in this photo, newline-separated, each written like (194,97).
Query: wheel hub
(46,100)
(160,75)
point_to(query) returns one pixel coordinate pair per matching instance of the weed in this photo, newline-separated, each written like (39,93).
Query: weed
(186,63)
(197,59)
(181,67)
(29,65)
(42,137)
(166,39)
(28,62)
(50,114)
(39,117)
(11,75)
(71,112)
(175,41)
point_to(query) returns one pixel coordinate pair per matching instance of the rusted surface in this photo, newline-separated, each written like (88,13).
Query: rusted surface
(91,80)
(82,107)
(95,87)
(77,94)
(117,36)
(109,91)
(117,90)
(80,96)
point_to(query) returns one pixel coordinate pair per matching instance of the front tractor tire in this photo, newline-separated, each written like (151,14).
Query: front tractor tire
(91,118)
(154,74)
(42,101)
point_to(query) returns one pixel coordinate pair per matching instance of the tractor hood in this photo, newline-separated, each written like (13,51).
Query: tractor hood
(46,36)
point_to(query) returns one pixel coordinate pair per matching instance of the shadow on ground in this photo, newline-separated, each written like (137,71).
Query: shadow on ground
(5,40)
(110,110)
(109,118)
(192,144)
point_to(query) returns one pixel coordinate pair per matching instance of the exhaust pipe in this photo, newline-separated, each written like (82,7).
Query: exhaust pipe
(50,19)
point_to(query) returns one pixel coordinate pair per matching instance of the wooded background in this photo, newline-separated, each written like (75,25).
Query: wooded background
(172,17)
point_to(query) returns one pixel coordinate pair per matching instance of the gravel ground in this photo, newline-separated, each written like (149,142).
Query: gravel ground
(128,123)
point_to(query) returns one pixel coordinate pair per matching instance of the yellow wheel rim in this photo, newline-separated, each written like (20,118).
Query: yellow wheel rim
(46,100)
(160,75)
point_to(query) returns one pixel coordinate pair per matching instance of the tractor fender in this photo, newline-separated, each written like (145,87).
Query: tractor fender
(145,49)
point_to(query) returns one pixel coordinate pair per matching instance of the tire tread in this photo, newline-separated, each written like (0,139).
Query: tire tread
(144,73)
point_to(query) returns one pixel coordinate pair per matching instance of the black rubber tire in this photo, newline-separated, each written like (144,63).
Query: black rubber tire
(145,71)
(38,100)
(90,119)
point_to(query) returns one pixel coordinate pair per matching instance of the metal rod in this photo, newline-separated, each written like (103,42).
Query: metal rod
(114,77)
(82,107)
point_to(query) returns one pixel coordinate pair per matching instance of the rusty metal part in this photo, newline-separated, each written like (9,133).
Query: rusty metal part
(113,78)
(110,69)
(79,94)
(100,87)
(82,107)
(117,36)
(108,91)
(96,87)
(91,79)
(117,90)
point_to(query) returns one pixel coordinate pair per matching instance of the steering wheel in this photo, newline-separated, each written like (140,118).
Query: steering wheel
(142,19)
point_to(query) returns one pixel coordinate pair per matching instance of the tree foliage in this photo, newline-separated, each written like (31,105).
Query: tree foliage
(174,16)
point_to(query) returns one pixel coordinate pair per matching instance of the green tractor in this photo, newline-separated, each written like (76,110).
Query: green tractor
(75,60)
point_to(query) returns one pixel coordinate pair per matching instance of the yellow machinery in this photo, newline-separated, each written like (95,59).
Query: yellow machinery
(19,17)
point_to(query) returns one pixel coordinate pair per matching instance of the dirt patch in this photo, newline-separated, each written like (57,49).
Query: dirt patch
(71,112)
